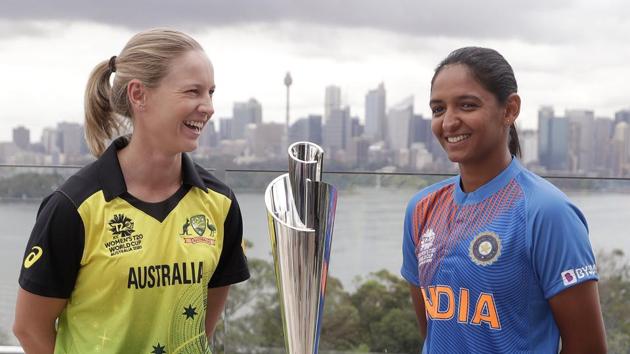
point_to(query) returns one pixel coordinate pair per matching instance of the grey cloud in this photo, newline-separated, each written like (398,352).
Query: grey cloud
(451,18)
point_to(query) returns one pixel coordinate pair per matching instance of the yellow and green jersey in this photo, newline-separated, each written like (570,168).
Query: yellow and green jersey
(135,274)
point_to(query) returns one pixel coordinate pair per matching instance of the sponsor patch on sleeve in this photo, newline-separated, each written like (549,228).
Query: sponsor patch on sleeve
(572,276)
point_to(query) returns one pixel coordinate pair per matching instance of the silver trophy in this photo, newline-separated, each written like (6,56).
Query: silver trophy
(301,214)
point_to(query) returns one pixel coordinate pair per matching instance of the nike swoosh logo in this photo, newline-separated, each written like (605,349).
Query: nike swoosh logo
(33,256)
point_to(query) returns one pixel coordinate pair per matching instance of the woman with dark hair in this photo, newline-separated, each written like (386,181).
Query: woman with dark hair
(498,259)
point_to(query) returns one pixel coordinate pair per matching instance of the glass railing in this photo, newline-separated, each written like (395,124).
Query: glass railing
(367,306)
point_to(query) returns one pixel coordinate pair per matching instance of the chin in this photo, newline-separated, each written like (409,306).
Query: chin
(189,146)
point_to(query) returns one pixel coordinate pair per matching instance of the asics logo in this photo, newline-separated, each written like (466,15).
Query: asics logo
(33,256)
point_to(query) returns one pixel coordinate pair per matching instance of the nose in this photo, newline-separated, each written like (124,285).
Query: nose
(207,109)
(450,121)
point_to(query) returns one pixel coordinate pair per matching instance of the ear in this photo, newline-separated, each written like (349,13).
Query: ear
(512,109)
(136,92)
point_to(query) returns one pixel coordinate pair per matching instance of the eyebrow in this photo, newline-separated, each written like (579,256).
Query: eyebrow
(462,97)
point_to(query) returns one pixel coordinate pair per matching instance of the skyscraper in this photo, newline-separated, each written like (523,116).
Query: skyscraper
(545,115)
(22,137)
(245,113)
(581,139)
(71,138)
(399,121)
(375,113)
(337,129)
(225,129)
(622,116)
(558,144)
(331,101)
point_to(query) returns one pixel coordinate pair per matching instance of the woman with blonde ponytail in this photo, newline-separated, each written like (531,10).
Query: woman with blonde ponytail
(136,252)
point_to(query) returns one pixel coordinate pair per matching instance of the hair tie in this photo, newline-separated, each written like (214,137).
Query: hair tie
(112,64)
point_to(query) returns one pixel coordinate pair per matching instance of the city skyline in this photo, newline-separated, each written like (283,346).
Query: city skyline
(576,142)
(570,54)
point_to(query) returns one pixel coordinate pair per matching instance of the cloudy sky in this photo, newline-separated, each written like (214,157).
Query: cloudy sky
(572,54)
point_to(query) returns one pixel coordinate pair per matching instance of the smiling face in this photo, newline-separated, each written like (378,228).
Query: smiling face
(468,120)
(177,109)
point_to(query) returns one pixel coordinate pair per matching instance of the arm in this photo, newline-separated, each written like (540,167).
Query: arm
(579,318)
(216,303)
(35,318)
(418,306)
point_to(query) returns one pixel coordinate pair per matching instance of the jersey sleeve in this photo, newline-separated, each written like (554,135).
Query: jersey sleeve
(409,269)
(561,251)
(54,250)
(232,267)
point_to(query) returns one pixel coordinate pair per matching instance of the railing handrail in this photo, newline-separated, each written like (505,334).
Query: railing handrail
(376,173)
(7,349)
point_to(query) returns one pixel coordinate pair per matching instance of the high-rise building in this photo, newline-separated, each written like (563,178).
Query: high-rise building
(315,133)
(245,113)
(356,128)
(621,149)
(603,131)
(208,136)
(528,140)
(337,130)
(581,140)
(307,129)
(22,137)
(399,121)
(71,139)
(225,129)
(50,138)
(622,116)
(558,144)
(545,115)
(375,113)
(332,101)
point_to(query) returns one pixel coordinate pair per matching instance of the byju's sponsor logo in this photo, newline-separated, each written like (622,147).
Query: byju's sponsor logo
(572,276)
(568,277)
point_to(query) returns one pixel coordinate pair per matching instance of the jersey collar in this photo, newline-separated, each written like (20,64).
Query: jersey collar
(112,179)
(488,189)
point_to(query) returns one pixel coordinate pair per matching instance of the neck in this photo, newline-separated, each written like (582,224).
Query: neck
(476,174)
(150,174)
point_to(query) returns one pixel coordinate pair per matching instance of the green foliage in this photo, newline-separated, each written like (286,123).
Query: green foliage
(29,185)
(377,317)
(387,317)
(614,295)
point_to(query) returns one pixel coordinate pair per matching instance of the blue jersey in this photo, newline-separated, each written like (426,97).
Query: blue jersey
(488,261)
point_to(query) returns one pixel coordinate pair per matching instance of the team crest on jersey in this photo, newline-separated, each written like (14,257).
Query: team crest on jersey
(485,248)
(202,226)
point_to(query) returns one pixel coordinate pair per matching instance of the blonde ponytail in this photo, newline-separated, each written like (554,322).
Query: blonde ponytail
(100,121)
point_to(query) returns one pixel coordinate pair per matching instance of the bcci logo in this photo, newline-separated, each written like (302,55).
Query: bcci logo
(199,224)
(485,248)
(120,225)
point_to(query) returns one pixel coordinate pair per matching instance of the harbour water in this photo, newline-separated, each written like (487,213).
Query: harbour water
(367,235)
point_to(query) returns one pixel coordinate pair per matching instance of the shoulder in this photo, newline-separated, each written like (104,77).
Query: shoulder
(214,184)
(547,207)
(82,184)
(542,196)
